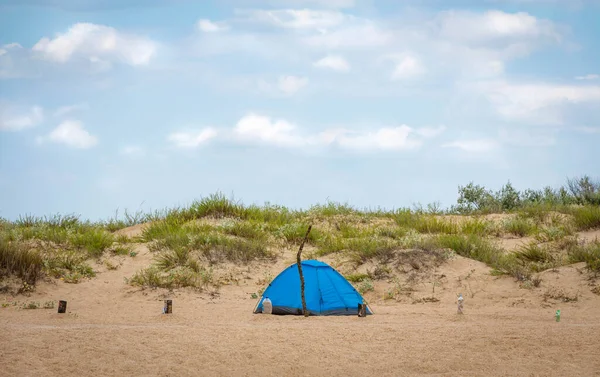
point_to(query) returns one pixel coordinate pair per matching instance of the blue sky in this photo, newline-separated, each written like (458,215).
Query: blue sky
(134,104)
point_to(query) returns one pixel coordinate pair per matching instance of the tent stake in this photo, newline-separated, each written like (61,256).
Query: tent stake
(299,258)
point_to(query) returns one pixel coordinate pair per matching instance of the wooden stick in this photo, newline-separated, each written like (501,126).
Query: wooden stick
(299,260)
(62,306)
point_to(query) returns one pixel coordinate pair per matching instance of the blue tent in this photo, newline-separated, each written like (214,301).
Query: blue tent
(326,291)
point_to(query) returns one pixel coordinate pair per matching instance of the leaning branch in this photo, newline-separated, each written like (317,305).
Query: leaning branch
(299,260)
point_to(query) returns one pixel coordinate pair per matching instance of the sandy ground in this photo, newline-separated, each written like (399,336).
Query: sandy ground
(112,329)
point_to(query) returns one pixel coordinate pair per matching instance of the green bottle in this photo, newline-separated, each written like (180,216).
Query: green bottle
(557,315)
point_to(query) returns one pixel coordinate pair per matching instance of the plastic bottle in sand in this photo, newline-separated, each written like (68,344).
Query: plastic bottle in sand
(460,303)
(267,306)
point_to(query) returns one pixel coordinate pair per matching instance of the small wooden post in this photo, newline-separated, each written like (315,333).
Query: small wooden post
(362,310)
(168,307)
(62,306)
(299,260)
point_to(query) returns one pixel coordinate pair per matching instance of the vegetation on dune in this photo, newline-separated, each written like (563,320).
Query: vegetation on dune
(189,241)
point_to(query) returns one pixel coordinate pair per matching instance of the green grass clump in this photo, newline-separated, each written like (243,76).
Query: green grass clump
(365,286)
(177,277)
(215,205)
(481,249)
(553,233)
(295,232)
(94,241)
(395,233)
(122,250)
(244,229)
(587,217)
(365,249)
(359,249)
(477,227)
(357,278)
(19,260)
(332,209)
(170,259)
(271,214)
(535,258)
(520,227)
(217,248)
(69,265)
(161,229)
(425,223)
(590,254)
(130,219)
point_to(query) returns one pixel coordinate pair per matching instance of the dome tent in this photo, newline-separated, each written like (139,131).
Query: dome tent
(326,291)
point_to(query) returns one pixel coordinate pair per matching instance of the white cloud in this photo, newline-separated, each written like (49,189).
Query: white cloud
(393,138)
(99,42)
(64,110)
(192,139)
(357,34)
(473,145)
(208,26)
(334,62)
(72,134)
(291,84)
(536,102)
(262,129)
(588,77)
(295,18)
(281,133)
(504,29)
(409,67)
(9,121)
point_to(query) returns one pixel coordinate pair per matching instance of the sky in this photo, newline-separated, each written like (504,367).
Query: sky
(109,105)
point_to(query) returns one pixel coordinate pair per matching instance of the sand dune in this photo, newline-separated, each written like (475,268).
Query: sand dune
(112,329)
